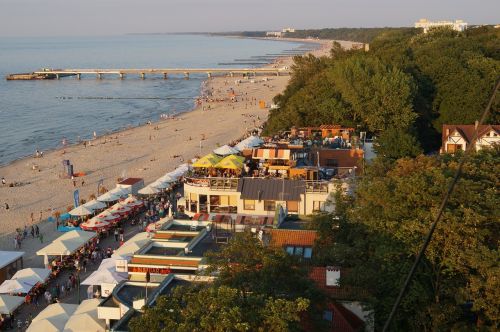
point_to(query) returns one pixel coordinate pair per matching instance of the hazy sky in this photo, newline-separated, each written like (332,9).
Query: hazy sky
(110,17)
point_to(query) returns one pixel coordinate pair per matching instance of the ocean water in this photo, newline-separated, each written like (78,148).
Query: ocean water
(40,114)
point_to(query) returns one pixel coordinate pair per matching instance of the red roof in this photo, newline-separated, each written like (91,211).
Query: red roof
(318,275)
(130,181)
(467,131)
(293,237)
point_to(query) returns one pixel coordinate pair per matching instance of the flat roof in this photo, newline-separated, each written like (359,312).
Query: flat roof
(7,257)
(130,181)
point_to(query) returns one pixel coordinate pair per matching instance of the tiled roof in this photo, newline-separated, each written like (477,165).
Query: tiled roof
(318,275)
(164,262)
(293,237)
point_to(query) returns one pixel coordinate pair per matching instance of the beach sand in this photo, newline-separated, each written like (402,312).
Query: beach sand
(146,152)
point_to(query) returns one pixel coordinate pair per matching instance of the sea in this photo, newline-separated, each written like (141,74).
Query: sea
(40,115)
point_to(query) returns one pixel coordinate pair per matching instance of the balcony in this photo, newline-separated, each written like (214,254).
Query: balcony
(218,183)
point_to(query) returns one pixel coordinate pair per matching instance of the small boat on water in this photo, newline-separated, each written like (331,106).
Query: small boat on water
(37,75)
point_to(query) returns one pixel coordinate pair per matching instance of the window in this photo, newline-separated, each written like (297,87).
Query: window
(292,206)
(305,252)
(214,200)
(328,315)
(308,252)
(249,204)
(318,206)
(299,251)
(290,250)
(269,205)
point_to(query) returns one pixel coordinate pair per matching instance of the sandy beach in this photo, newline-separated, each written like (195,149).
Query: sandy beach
(146,152)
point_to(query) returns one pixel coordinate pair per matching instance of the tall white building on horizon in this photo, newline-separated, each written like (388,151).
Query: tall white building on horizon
(457,25)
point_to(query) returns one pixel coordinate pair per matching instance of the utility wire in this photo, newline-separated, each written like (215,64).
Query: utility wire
(447,195)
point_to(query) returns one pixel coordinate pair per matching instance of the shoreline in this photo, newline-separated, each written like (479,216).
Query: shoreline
(140,151)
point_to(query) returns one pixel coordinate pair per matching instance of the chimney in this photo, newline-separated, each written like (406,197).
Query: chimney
(476,124)
(447,132)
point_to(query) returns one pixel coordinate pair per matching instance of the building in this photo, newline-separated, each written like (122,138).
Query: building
(285,30)
(297,242)
(131,184)
(10,263)
(459,137)
(457,25)
(277,34)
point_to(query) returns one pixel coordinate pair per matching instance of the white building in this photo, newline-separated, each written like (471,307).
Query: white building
(457,25)
(288,30)
(274,34)
(458,137)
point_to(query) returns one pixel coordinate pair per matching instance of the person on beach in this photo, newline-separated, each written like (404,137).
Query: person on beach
(41,214)
(3,181)
(41,237)
(32,232)
(7,207)
(37,231)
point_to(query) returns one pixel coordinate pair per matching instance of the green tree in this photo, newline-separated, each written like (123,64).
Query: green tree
(396,143)
(381,233)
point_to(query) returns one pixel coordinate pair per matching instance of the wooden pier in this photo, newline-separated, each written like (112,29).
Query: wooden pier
(145,72)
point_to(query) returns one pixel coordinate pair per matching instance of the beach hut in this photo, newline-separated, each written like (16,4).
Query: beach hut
(8,303)
(208,161)
(95,205)
(41,275)
(81,211)
(231,162)
(225,150)
(149,191)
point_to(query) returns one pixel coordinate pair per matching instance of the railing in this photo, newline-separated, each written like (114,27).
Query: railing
(316,186)
(229,184)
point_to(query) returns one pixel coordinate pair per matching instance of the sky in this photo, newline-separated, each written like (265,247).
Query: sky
(116,17)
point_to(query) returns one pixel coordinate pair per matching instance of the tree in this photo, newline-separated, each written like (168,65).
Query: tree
(456,286)
(212,308)
(396,143)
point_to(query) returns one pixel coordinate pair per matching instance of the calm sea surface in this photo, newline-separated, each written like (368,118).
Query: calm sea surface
(40,114)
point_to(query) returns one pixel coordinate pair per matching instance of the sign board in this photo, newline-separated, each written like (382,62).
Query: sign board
(121,265)
(153,270)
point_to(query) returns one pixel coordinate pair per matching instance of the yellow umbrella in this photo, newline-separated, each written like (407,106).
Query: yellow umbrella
(210,160)
(231,162)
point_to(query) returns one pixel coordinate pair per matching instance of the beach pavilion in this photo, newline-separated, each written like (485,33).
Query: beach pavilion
(9,303)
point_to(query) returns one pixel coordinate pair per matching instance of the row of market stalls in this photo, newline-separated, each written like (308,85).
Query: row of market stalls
(15,291)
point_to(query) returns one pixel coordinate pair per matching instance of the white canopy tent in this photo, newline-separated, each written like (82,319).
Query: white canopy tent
(148,190)
(248,143)
(81,211)
(21,285)
(10,303)
(108,197)
(167,178)
(106,276)
(158,184)
(65,244)
(95,205)
(225,150)
(85,318)
(52,318)
(122,192)
(132,245)
(37,273)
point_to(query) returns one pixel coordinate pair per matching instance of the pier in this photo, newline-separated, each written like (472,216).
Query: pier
(145,72)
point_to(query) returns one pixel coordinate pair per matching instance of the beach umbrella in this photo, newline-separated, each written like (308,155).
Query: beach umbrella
(248,143)
(109,215)
(95,205)
(119,208)
(210,160)
(148,191)
(41,275)
(231,162)
(225,150)
(10,303)
(81,211)
(94,224)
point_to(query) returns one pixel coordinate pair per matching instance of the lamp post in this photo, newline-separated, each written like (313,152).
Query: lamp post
(78,283)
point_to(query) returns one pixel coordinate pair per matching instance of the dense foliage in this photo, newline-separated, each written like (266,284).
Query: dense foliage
(257,289)
(408,83)
(361,35)
(457,285)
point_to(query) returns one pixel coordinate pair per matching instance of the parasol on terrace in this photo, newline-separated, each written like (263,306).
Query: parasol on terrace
(95,205)
(225,150)
(81,211)
(231,162)
(148,191)
(208,161)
